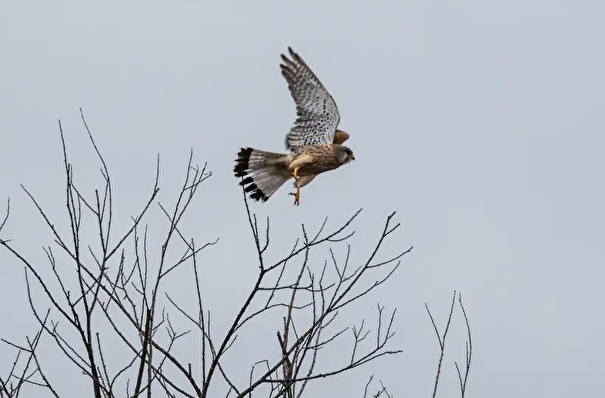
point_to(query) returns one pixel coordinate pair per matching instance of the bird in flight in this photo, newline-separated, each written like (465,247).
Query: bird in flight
(314,141)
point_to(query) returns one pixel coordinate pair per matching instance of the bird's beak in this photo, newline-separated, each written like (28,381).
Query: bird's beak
(352,157)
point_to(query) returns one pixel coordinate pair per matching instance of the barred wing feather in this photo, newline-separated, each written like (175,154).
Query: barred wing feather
(317,112)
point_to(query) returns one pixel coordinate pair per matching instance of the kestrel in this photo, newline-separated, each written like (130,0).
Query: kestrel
(314,141)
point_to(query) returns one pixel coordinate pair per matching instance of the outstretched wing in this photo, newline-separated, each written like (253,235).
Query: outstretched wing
(317,112)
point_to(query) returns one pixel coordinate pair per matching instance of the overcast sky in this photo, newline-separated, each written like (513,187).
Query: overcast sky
(481,123)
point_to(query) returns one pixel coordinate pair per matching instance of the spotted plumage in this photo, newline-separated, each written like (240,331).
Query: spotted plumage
(314,142)
(317,112)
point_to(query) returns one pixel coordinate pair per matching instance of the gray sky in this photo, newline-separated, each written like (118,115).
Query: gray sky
(480,122)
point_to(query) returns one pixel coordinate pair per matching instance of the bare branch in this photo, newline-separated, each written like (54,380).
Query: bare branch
(468,352)
(441,340)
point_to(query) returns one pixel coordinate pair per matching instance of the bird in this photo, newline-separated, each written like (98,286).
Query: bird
(315,142)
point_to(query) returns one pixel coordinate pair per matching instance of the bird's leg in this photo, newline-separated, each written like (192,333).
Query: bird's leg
(295,173)
(297,185)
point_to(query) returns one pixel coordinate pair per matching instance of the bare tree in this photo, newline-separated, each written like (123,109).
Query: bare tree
(109,295)
(441,339)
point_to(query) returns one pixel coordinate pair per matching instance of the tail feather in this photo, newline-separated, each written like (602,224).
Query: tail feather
(263,172)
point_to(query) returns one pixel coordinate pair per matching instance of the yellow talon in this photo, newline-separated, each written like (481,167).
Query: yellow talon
(297,193)
(296,196)
(295,173)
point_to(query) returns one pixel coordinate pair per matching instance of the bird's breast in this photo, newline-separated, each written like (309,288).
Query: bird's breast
(318,166)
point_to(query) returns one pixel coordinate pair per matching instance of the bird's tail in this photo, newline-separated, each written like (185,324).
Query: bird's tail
(263,172)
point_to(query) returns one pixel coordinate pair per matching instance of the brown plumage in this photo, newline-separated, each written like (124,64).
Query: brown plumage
(339,138)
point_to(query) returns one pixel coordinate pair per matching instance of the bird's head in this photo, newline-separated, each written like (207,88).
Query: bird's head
(343,154)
